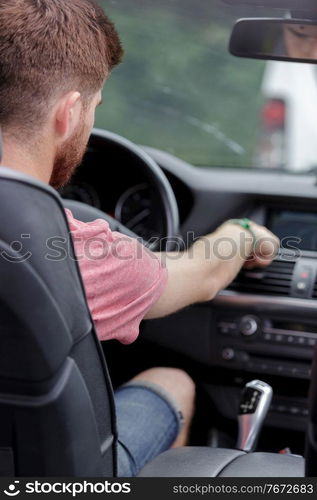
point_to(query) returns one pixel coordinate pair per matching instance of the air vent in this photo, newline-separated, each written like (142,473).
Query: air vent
(273,280)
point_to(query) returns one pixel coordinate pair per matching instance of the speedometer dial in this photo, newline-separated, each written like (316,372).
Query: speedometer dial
(136,209)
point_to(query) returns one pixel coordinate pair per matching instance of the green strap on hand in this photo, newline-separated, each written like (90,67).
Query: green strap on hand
(245,224)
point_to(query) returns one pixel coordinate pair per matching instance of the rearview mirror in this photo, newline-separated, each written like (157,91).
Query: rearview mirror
(278,39)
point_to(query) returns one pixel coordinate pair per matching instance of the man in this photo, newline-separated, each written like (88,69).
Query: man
(300,41)
(55,58)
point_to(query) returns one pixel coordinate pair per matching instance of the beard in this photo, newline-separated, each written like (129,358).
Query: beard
(69,156)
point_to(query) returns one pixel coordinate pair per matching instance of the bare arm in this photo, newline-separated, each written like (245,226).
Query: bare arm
(211,265)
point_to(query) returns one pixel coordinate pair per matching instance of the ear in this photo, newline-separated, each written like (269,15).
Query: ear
(67,115)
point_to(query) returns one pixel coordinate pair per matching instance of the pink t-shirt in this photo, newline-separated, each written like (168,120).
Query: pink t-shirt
(122,278)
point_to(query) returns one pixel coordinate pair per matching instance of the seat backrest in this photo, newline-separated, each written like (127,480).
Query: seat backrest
(57,413)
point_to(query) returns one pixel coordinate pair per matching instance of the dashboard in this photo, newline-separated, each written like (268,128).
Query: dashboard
(265,324)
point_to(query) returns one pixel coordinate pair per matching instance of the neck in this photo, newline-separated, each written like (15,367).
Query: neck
(33,162)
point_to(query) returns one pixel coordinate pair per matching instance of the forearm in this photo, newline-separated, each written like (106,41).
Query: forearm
(200,273)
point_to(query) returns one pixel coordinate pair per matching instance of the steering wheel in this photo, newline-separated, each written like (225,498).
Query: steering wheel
(165,200)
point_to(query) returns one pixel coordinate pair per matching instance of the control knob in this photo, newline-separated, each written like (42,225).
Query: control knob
(249,325)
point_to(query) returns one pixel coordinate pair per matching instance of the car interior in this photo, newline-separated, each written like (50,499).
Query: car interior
(171,170)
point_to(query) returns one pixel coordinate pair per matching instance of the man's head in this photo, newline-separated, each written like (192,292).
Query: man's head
(55,56)
(301,40)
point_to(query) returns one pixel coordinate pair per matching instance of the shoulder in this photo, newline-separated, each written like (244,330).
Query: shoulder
(88,229)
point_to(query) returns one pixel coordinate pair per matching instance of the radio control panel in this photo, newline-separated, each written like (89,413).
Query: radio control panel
(265,345)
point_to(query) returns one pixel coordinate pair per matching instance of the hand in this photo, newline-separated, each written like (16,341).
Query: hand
(267,245)
(266,249)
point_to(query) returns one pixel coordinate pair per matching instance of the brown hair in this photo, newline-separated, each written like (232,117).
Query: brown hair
(48,47)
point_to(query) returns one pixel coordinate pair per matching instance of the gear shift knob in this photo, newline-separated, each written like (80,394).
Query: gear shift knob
(254,406)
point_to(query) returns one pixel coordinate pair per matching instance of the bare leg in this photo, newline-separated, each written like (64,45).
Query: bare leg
(181,388)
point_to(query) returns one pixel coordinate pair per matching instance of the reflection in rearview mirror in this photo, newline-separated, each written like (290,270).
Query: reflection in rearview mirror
(278,39)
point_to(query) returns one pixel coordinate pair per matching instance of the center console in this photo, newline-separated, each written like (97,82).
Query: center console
(266,322)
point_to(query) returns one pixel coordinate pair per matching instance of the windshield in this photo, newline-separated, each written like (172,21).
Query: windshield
(181,91)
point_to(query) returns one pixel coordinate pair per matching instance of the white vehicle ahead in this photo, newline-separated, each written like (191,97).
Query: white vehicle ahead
(289,133)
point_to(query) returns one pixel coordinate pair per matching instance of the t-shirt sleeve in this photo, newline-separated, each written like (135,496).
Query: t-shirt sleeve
(122,278)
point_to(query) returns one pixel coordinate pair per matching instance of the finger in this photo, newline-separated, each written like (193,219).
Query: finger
(267,246)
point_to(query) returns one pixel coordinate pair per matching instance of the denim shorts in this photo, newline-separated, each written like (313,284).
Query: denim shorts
(149,422)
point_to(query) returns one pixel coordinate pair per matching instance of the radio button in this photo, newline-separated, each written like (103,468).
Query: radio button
(281,409)
(294,410)
(302,286)
(228,328)
(249,326)
(290,339)
(228,354)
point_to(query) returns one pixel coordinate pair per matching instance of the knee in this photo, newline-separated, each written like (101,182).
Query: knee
(176,382)
(183,383)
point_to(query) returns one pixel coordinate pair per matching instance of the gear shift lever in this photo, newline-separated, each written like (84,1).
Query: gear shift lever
(255,403)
